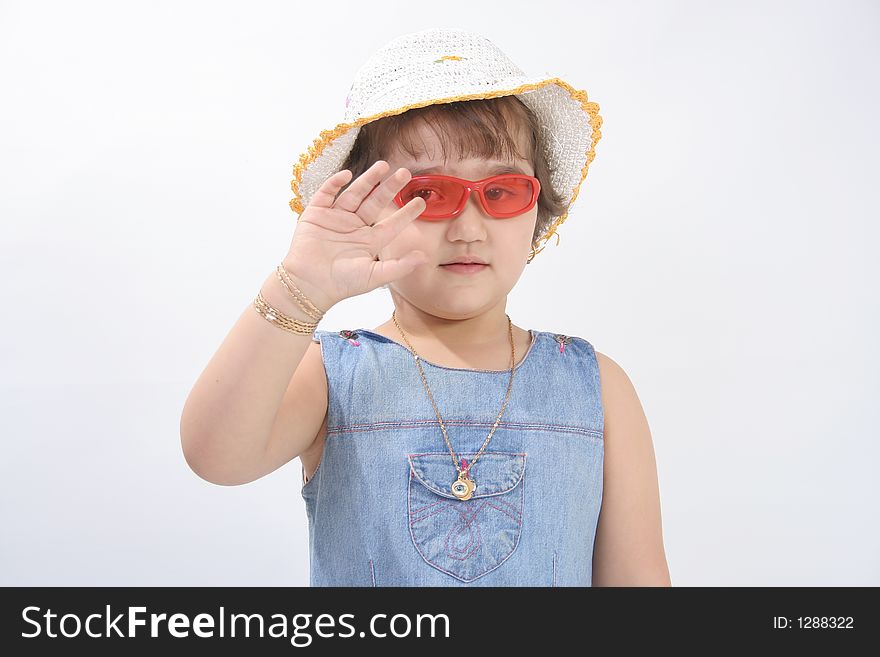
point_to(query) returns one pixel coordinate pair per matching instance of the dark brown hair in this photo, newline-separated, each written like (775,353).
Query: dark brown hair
(485,128)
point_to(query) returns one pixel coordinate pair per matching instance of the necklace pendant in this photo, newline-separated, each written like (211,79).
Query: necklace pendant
(463,487)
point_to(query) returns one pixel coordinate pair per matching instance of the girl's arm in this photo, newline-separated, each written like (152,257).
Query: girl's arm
(629,538)
(252,391)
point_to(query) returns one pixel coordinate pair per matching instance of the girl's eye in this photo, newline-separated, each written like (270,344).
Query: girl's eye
(425,192)
(496,193)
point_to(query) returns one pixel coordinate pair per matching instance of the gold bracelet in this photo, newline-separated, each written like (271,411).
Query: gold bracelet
(301,299)
(279,319)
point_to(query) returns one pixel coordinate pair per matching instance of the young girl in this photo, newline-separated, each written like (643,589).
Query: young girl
(446,446)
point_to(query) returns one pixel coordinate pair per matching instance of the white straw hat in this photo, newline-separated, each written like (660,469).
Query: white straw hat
(442,65)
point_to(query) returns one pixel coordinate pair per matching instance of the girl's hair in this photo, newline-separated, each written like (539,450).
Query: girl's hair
(474,128)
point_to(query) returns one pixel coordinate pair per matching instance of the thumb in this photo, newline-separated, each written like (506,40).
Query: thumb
(386,271)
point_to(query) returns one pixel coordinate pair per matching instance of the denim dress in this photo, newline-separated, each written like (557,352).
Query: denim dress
(380,506)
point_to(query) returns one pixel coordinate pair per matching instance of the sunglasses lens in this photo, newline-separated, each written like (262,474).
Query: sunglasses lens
(505,195)
(441,196)
(508,194)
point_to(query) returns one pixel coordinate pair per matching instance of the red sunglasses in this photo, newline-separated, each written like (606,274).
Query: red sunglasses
(503,196)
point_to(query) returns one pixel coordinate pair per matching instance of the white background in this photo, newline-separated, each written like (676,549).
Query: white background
(722,250)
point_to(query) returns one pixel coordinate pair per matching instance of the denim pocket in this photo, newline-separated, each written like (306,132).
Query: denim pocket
(466,538)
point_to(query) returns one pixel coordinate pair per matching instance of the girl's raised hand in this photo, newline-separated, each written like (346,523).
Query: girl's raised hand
(334,248)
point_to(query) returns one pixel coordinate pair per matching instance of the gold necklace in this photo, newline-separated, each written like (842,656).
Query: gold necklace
(463,487)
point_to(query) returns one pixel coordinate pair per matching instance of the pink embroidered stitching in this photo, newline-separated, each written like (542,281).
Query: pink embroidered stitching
(562,340)
(351,336)
(445,506)
(429,506)
(379,426)
(476,526)
(509,511)
(474,534)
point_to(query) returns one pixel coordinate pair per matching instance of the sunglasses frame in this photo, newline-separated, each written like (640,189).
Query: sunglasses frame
(473,186)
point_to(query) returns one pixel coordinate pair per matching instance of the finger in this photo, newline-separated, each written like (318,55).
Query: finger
(386,230)
(386,271)
(383,195)
(328,190)
(351,199)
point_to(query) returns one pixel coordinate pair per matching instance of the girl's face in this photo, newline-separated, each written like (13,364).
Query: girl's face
(504,244)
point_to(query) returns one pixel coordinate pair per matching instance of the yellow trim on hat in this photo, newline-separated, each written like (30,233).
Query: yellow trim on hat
(327,136)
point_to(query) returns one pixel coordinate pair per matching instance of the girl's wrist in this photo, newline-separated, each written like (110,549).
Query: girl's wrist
(275,293)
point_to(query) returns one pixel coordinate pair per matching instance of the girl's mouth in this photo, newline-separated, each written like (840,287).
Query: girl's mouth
(461,268)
